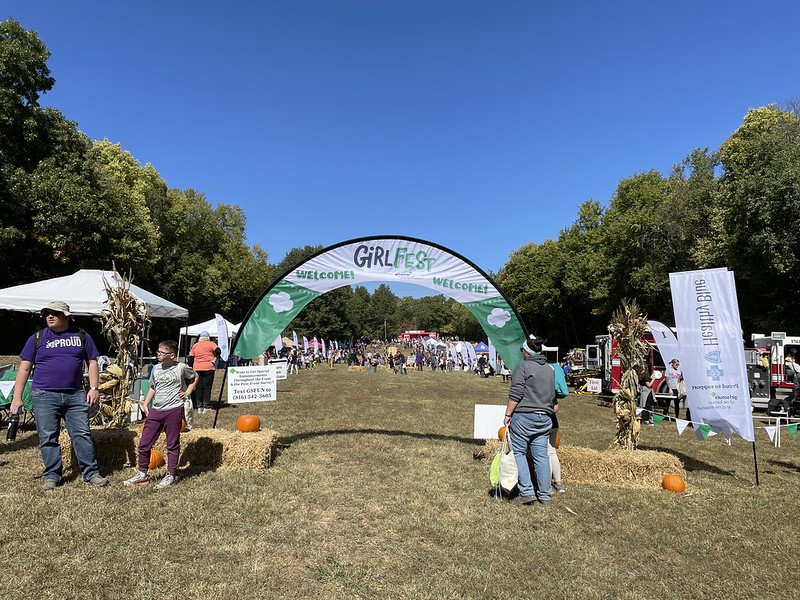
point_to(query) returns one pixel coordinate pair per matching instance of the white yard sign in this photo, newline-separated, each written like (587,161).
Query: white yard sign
(252,384)
(281,370)
(594,385)
(488,419)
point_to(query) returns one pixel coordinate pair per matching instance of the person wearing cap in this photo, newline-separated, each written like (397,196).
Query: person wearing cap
(59,353)
(529,417)
(201,359)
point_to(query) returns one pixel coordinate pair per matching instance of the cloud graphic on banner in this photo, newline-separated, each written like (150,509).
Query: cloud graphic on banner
(498,317)
(281,302)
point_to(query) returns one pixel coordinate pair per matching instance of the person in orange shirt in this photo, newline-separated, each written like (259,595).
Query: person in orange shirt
(201,359)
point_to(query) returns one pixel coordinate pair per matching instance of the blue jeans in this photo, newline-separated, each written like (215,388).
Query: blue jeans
(49,408)
(529,430)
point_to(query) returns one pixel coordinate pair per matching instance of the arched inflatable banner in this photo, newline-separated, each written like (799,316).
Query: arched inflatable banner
(382,259)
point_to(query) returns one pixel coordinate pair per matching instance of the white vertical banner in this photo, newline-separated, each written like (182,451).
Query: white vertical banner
(666,341)
(712,350)
(324,349)
(223,340)
(492,355)
(278,344)
(471,351)
(294,338)
(305,344)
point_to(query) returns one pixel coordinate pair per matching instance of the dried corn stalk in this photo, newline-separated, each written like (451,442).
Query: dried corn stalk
(124,324)
(627,327)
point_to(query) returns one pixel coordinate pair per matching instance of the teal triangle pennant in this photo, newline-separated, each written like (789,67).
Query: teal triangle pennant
(792,429)
(704,430)
(657,419)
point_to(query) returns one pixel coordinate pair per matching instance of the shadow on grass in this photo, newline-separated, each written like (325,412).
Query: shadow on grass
(21,443)
(785,465)
(690,463)
(288,441)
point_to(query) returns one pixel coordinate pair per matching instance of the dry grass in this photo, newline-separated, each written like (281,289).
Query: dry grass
(375,494)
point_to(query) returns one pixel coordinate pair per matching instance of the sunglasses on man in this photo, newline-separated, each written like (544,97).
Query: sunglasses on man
(51,313)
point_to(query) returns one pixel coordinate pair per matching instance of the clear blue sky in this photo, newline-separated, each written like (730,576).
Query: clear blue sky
(480,126)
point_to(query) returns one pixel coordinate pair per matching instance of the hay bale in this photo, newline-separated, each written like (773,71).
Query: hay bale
(355,369)
(627,468)
(622,468)
(205,448)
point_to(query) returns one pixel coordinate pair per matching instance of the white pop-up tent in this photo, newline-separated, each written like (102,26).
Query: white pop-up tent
(85,293)
(210,326)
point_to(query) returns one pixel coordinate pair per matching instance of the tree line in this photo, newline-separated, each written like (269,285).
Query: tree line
(71,203)
(736,207)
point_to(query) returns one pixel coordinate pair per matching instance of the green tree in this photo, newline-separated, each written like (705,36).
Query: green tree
(759,196)
(358,311)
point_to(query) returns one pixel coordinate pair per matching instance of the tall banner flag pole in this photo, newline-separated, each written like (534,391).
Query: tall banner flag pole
(305,344)
(278,344)
(712,349)
(294,338)
(492,356)
(223,339)
(668,345)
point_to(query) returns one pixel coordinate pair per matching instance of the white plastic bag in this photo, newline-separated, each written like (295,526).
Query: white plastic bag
(508,464)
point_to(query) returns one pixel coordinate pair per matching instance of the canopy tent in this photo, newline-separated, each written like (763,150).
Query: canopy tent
(480,347)
(85,293)
(210,326)
(551,349)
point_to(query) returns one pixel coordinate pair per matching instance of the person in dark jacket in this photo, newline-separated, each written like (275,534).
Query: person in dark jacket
(529,416)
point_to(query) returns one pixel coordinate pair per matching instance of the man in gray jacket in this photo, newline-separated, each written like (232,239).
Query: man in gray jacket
(531,406)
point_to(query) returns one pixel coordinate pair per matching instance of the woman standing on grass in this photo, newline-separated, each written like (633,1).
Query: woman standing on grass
(529,416)
(201,359)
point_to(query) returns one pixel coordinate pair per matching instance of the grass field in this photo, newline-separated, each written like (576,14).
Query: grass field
(375,493)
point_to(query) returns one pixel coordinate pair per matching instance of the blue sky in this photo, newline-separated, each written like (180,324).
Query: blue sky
(480,126)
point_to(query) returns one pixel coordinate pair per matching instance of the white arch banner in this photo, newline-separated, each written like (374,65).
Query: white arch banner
(384,259)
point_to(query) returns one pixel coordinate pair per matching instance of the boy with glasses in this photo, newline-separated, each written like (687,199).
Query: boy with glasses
(170,383)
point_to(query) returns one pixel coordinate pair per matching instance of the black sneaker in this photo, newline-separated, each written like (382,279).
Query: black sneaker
(523,499)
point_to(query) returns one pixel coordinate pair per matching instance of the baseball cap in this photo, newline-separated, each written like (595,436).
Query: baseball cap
(203,333)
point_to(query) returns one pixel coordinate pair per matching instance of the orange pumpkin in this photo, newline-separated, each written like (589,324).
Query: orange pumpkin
(673,483)
(156,459)
(501,433)
(558,440)
(248,423)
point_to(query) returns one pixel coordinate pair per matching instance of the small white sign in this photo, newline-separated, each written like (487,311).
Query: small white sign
(488,419)
(281,367)
(252,384)
(594,385)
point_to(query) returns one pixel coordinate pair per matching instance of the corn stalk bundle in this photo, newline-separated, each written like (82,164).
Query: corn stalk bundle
(627,327)
(124,323)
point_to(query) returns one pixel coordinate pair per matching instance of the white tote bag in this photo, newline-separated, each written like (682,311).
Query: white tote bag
(508,464)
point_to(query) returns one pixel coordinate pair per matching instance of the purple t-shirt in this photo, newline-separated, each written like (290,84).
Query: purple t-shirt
(58,359)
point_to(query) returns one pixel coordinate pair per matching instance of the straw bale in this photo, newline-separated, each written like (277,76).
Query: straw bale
(204,448)
(614,467)
(355,368)
(617,467)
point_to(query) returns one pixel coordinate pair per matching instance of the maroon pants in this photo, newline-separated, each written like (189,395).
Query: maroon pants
(158,421)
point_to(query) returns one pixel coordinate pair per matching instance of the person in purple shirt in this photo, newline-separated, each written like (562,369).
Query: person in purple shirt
(58,353)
